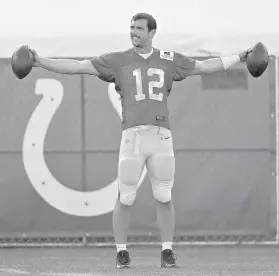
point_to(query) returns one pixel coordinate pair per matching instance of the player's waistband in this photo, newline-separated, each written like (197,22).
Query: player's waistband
(147,128)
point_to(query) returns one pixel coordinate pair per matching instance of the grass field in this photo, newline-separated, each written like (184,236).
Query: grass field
(193,260)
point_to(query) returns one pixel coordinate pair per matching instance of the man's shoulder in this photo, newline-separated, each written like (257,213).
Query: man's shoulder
(116,57)
(175,57)
(166,54)
(111,56)
(169,55)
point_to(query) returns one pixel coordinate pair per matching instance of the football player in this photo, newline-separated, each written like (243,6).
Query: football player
(143,76)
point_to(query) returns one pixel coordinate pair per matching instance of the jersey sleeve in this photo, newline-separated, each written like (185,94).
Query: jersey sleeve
(106,66)
(182,66)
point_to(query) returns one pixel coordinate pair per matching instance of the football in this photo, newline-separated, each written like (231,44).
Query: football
(257,60)
(22,61)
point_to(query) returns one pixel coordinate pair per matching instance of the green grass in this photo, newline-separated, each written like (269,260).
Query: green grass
(194,260)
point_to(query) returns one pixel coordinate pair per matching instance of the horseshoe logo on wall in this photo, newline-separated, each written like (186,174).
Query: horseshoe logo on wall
(64,199)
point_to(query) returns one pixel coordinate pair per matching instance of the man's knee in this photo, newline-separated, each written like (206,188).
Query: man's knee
(127,199)
(162,194)
(129,175)
(161,170)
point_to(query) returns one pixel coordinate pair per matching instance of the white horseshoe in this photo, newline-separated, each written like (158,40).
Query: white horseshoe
(64,199)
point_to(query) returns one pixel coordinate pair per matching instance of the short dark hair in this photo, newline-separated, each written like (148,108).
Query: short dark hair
(151,22)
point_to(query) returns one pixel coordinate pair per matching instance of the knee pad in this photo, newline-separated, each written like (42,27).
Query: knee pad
(127,199)
(161,170)
(162,192)
(129,175)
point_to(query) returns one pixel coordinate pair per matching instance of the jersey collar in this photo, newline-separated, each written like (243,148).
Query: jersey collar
(154,50)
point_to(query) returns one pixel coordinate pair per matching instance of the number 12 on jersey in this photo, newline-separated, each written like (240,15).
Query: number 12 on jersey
(158,84)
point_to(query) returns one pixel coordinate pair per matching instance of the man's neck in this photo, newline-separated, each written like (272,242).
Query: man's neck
(145,50)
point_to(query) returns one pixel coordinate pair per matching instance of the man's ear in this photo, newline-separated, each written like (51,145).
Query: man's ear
(152,33)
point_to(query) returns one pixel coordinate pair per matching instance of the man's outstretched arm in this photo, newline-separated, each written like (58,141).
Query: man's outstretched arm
(64,66)
(213,65)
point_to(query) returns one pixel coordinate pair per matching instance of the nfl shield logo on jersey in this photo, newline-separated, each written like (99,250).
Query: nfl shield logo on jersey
(166,55)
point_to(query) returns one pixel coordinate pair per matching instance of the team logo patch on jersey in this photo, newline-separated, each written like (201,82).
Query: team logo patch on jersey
(161,118)
(166,55)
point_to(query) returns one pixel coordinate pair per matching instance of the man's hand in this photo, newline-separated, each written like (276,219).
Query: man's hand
(243,55)
(36,58)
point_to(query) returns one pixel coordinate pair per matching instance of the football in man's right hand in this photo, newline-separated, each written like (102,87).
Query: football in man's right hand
(257,60)
(22,61)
